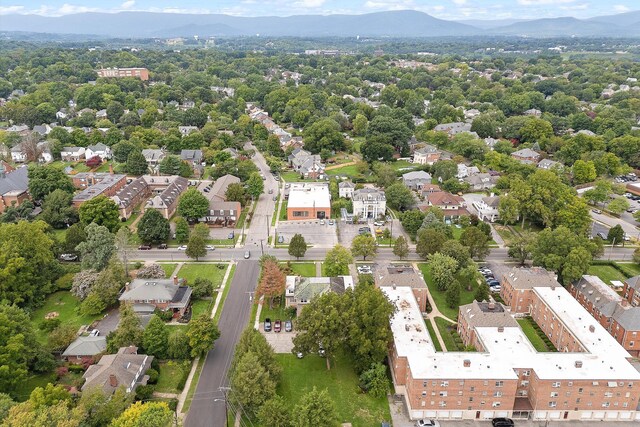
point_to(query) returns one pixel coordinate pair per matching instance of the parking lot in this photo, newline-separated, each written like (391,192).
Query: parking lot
(281,342)
(315,234)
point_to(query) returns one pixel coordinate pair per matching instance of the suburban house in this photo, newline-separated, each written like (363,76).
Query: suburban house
(18,154)
(94,184)
(452,206)
(393,275)
(307,164)
(549,164)
(369,203)
(429,188)
(613,311)
(153,156)
(45,152)
(194,159)
(453,128)
(222,213)
(186,130)
(487,208)
(426,155)
(85,348)
(526,156)
(301,290)
(481,181)
(72,154)
(101,150)
(166,201)
(416,180)
(125,369)
(308,201)
(218,191)
(147,295)
(533,112)
(346,189)
(465,171)
(14,186)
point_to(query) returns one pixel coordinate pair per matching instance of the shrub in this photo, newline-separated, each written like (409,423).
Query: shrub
(153,375)
(76,368)
(164,315)
(144,392)
(201,288)
(61,371)
(65,282)
(151,271)
(49,325)
(173,404)
(183,378)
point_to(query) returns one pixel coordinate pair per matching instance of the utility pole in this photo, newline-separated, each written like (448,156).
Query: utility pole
(226,390)
(261,247)
(391,238)
(268,227)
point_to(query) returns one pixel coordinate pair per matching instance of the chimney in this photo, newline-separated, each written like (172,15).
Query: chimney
(127,288)
(592,328)
(578,364)
(175,280)
(113,381)
(491,306)
(111,168)
(500,328)
(466,363)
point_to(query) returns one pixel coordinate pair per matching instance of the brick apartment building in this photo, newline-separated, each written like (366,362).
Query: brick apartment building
(591,378)
(14,186)
(141,73)
(308,201)
(403,275)
(620,315)
(166,191)
(518,283)
(96,184)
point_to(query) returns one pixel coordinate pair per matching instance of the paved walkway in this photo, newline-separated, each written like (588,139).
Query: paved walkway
(340,165)
(318,269)
(165,395)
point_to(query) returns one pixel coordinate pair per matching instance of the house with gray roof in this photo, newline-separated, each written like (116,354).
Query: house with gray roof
(147,295)
(14,186)
(549,164)
(481,181)
(526,156)
(454,128)
(72,154)
(369,203)
(426,155)
(167,201)
(153,156)
(394,275)
(85,347)
(631,291)
(307,164)
(301,290)
(100,150)
(194,159)
(346,189)
(125,369)
(487,208)
(416,180)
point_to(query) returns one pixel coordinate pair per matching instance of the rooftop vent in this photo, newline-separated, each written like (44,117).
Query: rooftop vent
(466,363)
(592,328)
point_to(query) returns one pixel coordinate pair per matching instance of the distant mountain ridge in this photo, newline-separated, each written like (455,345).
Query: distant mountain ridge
(405,23)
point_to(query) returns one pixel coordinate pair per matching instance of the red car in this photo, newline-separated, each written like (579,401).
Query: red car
(277,326)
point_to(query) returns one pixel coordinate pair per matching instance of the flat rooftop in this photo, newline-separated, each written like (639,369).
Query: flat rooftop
(309,195)
(508,348)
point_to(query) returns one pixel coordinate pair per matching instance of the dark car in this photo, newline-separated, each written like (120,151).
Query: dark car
(144,248)
(162,246)
(288,326)
(231,235)
(267,325)
(502,422)
(277,326)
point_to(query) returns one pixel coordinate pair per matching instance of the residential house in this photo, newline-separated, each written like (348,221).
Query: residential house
(549,164)
(153,157)
(14,186)
(166,201)
(346,189)
(453,129)
(131,196)
(222,213)
(465,171)
(147,295)
(308,201)
(18,154)
(125,369)
(44,150)
(100,150)
(481,181)
(307,164)
(631,291)
(452,206)
(194,159)
(218,191)
(85,348)
(416,180)
(72,154)
(487,208)
(526,156)
(426,155)
(19,129)
(186,130)
(96,184)
(300,291)
(42,130)
(393,275)
(533,112)
(491,142)
(369,203)
(429,188)
(101,114)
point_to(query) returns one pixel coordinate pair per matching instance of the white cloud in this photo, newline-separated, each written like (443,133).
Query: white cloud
(128,4)
(309,3)
(621,8)
(459,2)
(581,6)
(6,10)
(542,2)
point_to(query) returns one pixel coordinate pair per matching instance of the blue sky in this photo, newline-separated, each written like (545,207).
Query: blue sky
(445,9)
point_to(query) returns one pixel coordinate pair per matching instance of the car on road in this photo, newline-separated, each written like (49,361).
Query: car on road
(247,254)
(281,239)
(288,326)
(162,246)
(277,326)
(267,325)
(427,423)
(276,177)
(271,191)
(68,257)
(144,247)
(502,422)
(94,333)
(331,222)
(287,185)
(231,235)
(275,198)
(210,248)
(182,247)
(597,211)
(378,223)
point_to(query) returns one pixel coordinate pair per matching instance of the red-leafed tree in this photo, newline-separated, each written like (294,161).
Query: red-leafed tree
(272,282)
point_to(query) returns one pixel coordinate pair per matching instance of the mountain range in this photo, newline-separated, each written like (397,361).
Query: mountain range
(405,23)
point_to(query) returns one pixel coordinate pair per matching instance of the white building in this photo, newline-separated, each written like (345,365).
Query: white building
(369,203)
(345,189)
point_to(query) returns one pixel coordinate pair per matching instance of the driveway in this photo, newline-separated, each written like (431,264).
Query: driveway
(109,322)
(315,234)
(281,342)
(349,231)
(629,227)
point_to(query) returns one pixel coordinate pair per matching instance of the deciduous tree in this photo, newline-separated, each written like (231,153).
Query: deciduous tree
(153,227)
(337,260)
(401,247)
(443,269)
(272,282)
(193,205)
(45,179)
(196,248)
(202,333)
(255,185)
(315,409)
(145,414)
(251,383)
(98,248)
(364,245)
(275,412)
(136,163)
(477,242)
(616,234)
(429,241)
(236,193)
(100,210)
(399,197)
(57,210)
(155,338)
(182,230)
(297,246)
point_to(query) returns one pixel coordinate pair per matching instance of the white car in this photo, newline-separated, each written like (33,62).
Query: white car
(210,248)
(427,423)
(378,223)
(182,248)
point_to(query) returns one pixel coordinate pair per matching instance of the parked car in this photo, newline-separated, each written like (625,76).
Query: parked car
(281,239)
(378,223)
(94,333)
(275,198)
(182,247)
(277,326)
(364,269)
(271,191)
(322,222)
(598,211)
(276,177)
(502,422)
(162,246)
(495,289)
(427,423)
(68,257)
(231,235)
(267,325)
(144,247)
(210,248)
(330,222)
(288,326)
(247,254)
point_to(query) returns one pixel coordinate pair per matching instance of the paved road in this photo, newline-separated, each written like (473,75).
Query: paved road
(205,411)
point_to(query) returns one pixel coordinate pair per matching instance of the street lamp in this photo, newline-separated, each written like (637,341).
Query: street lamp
(226,410)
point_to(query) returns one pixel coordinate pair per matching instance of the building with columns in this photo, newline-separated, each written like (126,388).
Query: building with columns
(369,203)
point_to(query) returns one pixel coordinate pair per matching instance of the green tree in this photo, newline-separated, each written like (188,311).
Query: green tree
(297,246)
(386,175)
(429,241)
(141,414)
(202,333)
(520,247)
(18,347)
(636,256)
(584,172)
(122,149)
(411,221)
(508,209)
(49,395)
(73,237)
(616,234)
(618,205)
(193,205)
(275,412)
(153,227)
(196,248)
(399,197)
(136,163)
(236,193)
(57,210)
(179,345)
(360,124)
(100,210)
(252,341)
(337,260)
(477,242)
(6,403)
(99,408)
(182,230)
(122,243)
(364,245)
(324,134)
(375,380)
(401,247)
(98,248)
(155,338)
(251,383)
(25,414)
(443,268)
(45,179)
(535,129)
(129,331)
(173,165)
(315,409)
(457,251)
(255,185)
(482,293)
(452,294)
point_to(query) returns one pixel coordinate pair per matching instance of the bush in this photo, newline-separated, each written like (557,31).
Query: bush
(153,375)
(173,404)
(61,371)
(137,265)
(65,282)
(76,368)
(164,315)
(201,288)
(144,392)
(49,325)
(151,271)
(183,378)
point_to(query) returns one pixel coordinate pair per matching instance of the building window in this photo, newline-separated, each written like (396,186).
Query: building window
(496,404)
(424,394)
(424,384)
(443,394)
(554,394)
(580,390)
(553,404)
(608,394)
(606,404)
(444,384)
(526,373)
(497,394)
(472,388)
(300,214)
(524,383)
(471,399)
(555,385)
(499,383)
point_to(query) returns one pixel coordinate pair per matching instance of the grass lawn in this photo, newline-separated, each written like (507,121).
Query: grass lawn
(202,306)
(283,211)
(243,215)
(606,273)
(171,373)
(386,243)
(103,167)
(630,269)
(349,170)
(168,269)
(277,312)
(191,272)
(24,388)
(225,292)
(65,304)
(402,164)
(59,234)
(529,330)
(304,269)
(224,242)
(276,215)
(439,296)
(445,329)
(194,385)
(292,177)
(301,375)
(433,336)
